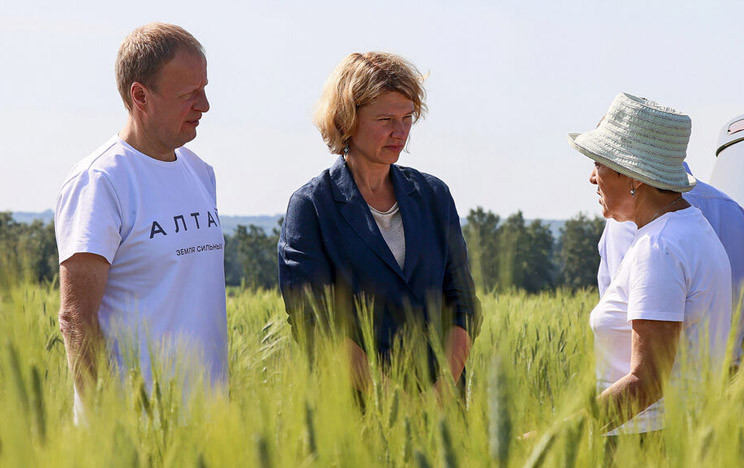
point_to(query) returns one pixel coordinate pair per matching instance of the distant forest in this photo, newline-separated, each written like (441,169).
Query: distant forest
(508,254)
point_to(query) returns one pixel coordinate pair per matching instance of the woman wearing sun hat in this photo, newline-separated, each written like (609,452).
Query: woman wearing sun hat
(671,295)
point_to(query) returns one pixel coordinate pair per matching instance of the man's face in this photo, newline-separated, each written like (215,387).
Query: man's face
(178,101)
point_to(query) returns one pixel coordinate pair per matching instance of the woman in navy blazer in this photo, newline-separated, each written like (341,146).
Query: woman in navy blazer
(372,229)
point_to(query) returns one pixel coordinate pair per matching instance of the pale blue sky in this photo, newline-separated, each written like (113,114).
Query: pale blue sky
(508,81)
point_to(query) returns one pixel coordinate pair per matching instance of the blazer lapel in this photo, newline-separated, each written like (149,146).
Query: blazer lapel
(411,214)
(356,212)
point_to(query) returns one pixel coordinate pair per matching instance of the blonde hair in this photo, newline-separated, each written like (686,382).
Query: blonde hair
(145,51)
(359,80)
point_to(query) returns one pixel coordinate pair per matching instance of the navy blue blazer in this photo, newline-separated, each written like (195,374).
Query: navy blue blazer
(329,238)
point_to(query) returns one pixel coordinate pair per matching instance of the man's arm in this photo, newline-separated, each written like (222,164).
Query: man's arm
(82,280)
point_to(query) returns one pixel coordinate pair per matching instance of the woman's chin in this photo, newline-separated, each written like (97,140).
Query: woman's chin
(392,157)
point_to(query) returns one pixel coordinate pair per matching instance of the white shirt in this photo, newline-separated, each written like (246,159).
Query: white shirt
(390,224)
(724,215)
(156,223)
(675,270)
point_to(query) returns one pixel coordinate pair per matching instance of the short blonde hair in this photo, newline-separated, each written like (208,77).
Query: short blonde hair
(359,80)
(145,51)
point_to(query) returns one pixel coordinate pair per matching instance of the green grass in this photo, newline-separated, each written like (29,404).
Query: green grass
(531,370)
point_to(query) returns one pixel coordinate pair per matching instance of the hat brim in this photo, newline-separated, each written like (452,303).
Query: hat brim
(691,181)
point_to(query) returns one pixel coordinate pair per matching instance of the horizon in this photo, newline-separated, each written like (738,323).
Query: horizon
(50,212)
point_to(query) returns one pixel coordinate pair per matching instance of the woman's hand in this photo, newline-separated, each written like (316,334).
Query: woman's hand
(457,349)
(361,376)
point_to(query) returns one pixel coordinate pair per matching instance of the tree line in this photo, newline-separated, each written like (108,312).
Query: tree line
(515,255)
(504,254)
(28,252)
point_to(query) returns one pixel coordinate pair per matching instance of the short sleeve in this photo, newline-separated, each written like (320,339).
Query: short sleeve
(88,217)
(657,286)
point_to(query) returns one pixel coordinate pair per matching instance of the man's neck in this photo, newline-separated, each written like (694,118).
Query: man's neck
(135,134)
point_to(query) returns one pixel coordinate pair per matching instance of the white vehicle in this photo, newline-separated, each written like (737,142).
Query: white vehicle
(727,173)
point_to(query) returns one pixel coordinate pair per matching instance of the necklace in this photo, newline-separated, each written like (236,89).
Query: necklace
(663,210)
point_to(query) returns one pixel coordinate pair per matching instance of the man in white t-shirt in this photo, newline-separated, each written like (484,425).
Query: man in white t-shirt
(139,237)
(726,217)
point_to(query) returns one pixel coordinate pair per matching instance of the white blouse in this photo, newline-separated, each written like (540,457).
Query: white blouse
(391,228)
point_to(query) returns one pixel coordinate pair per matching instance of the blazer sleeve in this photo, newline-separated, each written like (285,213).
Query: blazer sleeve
(459,287)
(305,272)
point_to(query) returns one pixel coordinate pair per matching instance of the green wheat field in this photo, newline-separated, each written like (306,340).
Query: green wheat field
(529,400)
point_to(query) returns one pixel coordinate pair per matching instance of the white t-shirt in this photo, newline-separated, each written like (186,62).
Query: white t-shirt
(390,224)
(724,215)
(675,270)
(156,223)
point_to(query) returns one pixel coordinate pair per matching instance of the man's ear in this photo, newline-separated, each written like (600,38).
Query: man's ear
(140,95)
